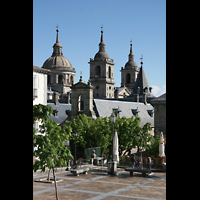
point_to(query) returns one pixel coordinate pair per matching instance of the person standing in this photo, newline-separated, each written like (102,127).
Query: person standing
(133,160)
(149,162)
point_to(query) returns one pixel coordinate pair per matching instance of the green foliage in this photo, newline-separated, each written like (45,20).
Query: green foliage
(130,133)
(50,148)
(154,149)
(98,132)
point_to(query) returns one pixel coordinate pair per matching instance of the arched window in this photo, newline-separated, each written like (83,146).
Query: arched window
(60,77)
(128,78)
(71,79)
(80,103)
(109,72)
(98,71)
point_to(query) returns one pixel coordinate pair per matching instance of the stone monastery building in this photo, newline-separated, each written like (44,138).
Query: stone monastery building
(99,97)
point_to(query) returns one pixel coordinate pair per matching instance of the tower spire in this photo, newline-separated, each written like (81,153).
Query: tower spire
(101,33)
(102,44)
(57,39)
(131,52)
(57,47)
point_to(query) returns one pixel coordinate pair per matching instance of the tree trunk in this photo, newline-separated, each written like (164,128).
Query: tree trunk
(49,175)
(55,184)
(138,149)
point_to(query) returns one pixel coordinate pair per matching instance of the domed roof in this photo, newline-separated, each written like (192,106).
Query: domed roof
(101,55)
(57,62)
(131,64)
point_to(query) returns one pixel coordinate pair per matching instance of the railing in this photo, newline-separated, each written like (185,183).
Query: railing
(103,59)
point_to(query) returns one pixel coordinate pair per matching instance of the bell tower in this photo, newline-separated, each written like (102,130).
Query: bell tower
(102,72)
(130,71)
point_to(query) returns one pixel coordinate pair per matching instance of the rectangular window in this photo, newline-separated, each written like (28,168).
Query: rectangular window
(35,93)
(35,81)
(35,86)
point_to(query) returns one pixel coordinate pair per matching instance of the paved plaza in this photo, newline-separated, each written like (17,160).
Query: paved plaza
(97,184)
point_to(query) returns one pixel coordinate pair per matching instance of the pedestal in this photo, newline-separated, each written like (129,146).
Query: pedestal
(112,168)
(92,161)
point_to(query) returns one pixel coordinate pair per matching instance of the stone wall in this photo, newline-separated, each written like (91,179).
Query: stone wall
(160,117)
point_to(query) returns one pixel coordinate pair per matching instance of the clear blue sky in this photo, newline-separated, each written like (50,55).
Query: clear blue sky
(79,22)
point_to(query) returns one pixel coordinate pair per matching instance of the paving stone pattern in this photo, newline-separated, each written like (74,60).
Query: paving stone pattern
(97,184)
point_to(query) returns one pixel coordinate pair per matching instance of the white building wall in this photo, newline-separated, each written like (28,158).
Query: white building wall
(40,86)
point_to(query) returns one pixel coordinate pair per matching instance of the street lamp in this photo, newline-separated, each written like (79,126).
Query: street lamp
(75,135)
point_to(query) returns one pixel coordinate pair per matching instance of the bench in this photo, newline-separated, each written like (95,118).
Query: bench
(143,171)
(77,171)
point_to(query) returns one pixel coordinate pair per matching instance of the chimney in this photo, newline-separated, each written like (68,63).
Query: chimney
(68,97)
(145,98)
(55,98)
(116,93)
(136,98)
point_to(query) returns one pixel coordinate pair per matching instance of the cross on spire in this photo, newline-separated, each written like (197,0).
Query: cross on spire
(131,51)
(102,27)
(141,59)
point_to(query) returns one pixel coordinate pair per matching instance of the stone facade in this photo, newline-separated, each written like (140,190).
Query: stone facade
(160,114)
(102,78)
(102,73)
(81,99)
(61,75)
(61,81)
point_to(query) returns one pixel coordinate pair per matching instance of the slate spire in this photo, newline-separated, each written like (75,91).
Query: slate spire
(141,82)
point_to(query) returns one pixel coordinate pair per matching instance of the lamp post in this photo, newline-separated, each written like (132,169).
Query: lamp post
(75,135)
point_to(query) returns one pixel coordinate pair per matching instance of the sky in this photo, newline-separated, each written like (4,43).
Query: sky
(79,23)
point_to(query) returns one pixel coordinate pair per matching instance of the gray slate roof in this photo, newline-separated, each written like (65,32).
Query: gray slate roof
(61,111)
(160,98)
(142,82)
(105,108)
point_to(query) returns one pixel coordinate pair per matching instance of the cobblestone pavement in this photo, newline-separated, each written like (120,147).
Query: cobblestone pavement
(97,184)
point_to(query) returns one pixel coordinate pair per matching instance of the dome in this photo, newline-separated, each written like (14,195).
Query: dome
(101,55)
(131,64)
(57,62)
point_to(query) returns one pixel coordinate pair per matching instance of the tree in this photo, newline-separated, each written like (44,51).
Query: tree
(49,144)
(84,126)
(98,132)
(103,134)
(145,139)
(127,129)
